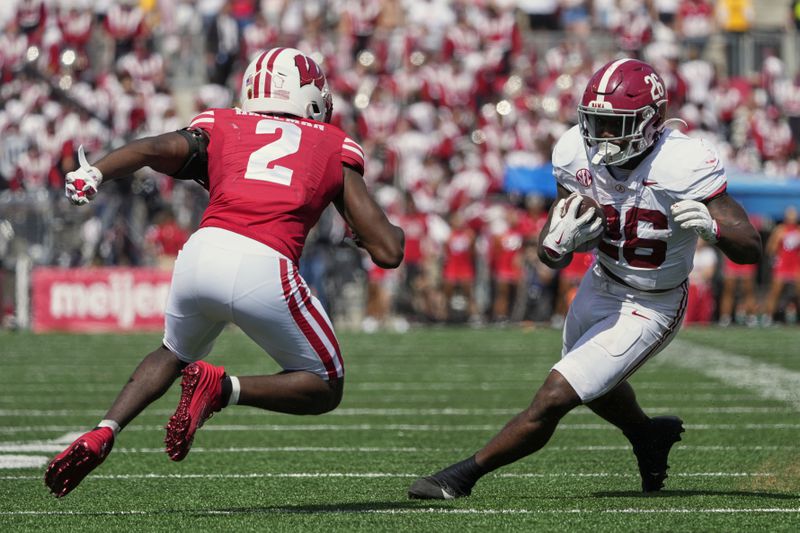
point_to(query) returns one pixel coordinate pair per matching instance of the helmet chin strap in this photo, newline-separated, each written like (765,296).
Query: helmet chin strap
(605,151)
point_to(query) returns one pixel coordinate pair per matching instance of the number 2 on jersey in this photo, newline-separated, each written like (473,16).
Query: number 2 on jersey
(261,165)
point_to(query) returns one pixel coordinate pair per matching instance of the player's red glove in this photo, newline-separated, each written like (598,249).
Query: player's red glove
(82,184)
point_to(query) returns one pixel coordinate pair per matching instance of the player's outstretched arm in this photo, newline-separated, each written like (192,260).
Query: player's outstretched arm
(738,239)
(380,238)
(165,153)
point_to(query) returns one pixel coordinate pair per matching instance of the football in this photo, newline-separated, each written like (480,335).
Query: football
(587,202)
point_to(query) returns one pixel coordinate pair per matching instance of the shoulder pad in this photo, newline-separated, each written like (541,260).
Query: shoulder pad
(568,148)
(689,168)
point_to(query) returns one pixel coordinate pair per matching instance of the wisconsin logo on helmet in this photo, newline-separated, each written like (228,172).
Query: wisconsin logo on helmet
(309,71)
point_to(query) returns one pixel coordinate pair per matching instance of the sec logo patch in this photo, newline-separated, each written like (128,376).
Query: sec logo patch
(584,177)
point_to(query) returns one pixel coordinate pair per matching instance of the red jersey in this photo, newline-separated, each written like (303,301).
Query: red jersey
(270,178)
(459,260)
(507,256)
(124,22)
(531,226)
(415,227)
(787,258)
(168,238)
(581,262)
(697,18)
(735,270)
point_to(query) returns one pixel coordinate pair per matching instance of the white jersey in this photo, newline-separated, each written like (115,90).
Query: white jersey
(643,245)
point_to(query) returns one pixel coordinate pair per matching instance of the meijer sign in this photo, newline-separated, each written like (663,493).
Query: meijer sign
(99,299)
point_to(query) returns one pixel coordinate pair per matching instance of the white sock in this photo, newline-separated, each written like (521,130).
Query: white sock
(106,423)
(235,388)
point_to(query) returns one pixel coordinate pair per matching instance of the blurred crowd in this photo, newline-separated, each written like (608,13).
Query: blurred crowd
(443,95)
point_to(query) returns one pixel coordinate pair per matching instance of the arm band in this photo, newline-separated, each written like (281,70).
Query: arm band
(196,165)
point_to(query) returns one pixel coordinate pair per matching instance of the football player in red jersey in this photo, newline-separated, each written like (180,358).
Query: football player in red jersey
(660,190)
(271,168)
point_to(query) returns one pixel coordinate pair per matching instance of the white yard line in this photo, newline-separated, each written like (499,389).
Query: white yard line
(370,411)
(656,398)
(406,511)
(22,461)
(382,475)
(520,382)
(399,427)
(766,380)
(52,447)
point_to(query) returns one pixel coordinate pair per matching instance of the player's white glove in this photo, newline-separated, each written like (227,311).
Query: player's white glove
(568,231)
(82,184)
(691,214)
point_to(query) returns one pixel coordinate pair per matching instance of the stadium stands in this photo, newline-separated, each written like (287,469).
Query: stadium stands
(456,103)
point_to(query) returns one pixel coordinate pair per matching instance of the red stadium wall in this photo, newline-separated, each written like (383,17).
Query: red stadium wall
(99,299)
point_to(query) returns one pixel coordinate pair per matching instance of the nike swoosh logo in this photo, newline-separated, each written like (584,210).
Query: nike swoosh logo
(637,313)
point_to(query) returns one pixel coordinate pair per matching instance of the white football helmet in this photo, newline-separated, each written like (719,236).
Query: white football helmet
(285,80)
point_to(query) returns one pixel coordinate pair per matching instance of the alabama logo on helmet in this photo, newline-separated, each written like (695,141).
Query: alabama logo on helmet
(584,177)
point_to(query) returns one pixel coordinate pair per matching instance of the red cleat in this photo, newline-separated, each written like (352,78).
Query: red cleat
(68,468)
(200,399)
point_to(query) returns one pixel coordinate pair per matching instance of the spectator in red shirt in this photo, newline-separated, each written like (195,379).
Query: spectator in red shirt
(700,305)
(771,134)
(459,266)
(695,23)
(34,170)
(784,247)
(76,28)
(418,287)
(506,262)
(123,23)
(741,279)
(569,278)
(165,238)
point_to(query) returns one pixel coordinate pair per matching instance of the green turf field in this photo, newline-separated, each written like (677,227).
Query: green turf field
(413,403)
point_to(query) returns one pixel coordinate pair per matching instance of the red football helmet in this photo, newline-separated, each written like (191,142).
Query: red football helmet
(622,111)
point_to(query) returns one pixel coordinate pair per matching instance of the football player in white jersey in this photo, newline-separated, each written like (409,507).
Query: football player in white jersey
(659,191)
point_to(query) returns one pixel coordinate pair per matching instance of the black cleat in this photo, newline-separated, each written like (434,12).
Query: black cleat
(432,488)
(455,481)
(652,450)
